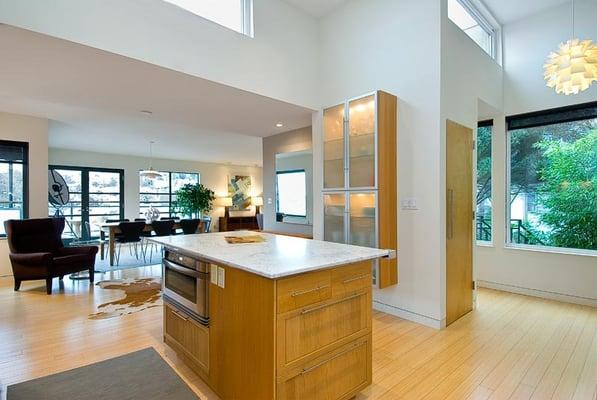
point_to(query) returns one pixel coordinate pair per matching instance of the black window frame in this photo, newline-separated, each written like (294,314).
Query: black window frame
(171,195)
(25,163)
(291,171)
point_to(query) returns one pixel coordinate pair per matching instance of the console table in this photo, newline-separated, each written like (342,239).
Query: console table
(237,223)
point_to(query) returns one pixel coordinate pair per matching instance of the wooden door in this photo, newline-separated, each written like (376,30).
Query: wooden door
(459,221)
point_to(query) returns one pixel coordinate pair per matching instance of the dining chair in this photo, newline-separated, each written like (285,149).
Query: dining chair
(130,234)
(160,228)
(189,226)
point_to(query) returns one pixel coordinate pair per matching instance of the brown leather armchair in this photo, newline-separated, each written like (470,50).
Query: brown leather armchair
(37,251)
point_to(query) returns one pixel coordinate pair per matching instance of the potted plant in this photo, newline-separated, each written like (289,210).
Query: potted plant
(193,200)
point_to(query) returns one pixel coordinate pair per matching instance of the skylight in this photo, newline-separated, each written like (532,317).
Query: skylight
(467,18)
(233,14)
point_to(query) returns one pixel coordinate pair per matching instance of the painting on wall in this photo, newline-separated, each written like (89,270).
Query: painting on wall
(239,187)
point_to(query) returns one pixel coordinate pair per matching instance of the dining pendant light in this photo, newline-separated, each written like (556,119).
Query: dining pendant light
(573,67)
(150,173)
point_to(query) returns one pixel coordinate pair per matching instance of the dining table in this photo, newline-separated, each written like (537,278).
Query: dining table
(111,229)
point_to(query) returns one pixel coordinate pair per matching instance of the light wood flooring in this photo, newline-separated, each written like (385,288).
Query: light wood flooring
(510,347)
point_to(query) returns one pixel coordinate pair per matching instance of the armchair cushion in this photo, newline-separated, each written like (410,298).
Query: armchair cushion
(79,259)
(31,259)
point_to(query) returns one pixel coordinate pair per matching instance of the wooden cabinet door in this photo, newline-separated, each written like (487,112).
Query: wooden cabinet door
(174,325)
(187,336)
(315,329)
(336,376)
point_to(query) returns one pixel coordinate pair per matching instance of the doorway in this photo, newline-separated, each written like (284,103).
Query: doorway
(96,194)
(459,221)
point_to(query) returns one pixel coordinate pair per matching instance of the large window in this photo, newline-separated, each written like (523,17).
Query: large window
(233,14)
(291,196)
(483,198)
(472,22)
(553,178)
(13,181)
(160,192)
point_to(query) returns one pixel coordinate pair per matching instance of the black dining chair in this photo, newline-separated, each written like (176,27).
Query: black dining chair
(160,228)
(130,234)
(206,224)
(189,226)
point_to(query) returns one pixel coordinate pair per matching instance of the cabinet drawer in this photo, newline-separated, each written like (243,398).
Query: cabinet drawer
(302,290)
(318,328)
(338,375)
(187,336)
(352,278)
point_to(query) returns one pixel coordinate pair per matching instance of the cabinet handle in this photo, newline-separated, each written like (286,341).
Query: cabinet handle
(180,316)
(356,278)
(314,367)
(310,310)
(302,292)
(450,214)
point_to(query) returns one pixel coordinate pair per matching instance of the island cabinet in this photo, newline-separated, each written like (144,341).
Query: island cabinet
(304,336)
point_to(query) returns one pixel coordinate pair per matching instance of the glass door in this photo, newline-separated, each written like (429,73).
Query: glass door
(361,142)
(334,221)
(334,163)
(362,217)
(95,195)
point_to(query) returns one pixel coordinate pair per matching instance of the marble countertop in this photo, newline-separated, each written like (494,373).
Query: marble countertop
(278,256)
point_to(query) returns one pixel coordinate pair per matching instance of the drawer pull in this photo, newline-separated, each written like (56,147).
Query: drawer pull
(302,292)
(314,367)
(180,316)
(310,310)
(356,278)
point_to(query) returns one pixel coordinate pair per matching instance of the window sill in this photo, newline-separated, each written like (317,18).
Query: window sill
(482,243)
(553,250)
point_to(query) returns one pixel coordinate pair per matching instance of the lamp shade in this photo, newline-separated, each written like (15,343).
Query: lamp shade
(223,201)
(573,67)
(257,201)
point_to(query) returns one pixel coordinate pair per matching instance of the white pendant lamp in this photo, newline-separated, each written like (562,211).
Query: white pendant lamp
(573,67)
(150,173)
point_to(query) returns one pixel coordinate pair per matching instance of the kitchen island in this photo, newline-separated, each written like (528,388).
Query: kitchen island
(280,318)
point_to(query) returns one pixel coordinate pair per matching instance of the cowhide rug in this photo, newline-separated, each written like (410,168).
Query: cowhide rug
(139,294)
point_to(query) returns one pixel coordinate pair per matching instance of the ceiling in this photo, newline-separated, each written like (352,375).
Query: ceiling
(507,11)
(317,8)
(94,99)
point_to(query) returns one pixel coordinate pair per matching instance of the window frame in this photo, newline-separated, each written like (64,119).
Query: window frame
(535,119)
(291,171)
(487,243)
(484,23)
(170,194)
(25,147)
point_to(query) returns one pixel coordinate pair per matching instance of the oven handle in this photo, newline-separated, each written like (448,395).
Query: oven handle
(185,271)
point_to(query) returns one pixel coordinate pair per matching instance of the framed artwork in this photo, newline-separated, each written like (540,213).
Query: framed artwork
(239,187)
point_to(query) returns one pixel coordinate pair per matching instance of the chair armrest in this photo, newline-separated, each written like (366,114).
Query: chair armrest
(71,251)
(31,259)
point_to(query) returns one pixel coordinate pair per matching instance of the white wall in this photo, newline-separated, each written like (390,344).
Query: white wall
(526,46)
(213,176)
(281,61)
(35,132)
(297,140)
(394,45)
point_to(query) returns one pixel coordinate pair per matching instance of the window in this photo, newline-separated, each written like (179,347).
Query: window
(467,18)
(291,193)
(13,181)
(161,192)
(483,198)
(233,14)
(553,178)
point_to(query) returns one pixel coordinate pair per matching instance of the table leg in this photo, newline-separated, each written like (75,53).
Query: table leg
(111,246)
(102,240)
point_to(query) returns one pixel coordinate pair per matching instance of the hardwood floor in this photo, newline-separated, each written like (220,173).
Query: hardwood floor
(510,347)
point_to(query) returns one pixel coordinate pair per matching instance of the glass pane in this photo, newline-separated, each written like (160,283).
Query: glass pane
(362,219)
(73,209)
(155,185)
(183,285)
(291,190)
(179,179)
(228,13)
(104,182)
(553,185)
(333,220)
(470,25)
(484,207)
(333,147)
(362,142)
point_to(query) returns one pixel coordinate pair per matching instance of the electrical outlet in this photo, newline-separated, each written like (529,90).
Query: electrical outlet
(221,277)
(409,204)
(213,276)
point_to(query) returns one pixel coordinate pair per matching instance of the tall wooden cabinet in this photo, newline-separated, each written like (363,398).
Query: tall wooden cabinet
(359,177)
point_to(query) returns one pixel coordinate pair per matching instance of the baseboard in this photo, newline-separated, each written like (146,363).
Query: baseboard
(409,315)
(566,298)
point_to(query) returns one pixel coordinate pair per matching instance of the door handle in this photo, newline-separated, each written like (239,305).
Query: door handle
(450,214)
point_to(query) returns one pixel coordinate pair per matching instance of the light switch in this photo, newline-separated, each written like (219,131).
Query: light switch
(409,203)
(221,277)
(269,200)
(213,276)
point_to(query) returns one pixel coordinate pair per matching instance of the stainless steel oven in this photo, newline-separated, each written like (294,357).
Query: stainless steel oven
(186,283)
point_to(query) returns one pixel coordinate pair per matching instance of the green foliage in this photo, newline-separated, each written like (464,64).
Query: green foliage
(483,164)
(194,199)
(568,191)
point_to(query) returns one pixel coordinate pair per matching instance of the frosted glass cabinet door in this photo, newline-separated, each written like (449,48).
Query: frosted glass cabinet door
(334,217)
(333,147)
(362,219)
(361,142)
